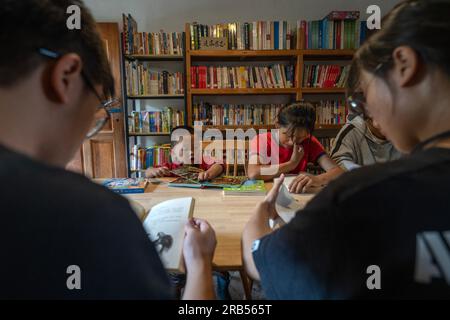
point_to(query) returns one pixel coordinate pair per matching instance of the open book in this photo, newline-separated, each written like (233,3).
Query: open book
(165,227)
(286,206)
(188,178)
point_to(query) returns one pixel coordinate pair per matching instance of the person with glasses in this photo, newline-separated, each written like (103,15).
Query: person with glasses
(382,231)
(63,236)
(361,143)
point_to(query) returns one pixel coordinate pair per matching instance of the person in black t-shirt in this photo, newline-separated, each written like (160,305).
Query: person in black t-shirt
(381,231)
(62,236)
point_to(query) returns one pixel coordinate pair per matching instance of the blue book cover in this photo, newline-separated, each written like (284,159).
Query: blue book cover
(126,185)
(276,34)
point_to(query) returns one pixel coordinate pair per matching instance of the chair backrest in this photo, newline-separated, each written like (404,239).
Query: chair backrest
(233,152)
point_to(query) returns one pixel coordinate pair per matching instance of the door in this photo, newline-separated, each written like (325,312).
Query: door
(104,155)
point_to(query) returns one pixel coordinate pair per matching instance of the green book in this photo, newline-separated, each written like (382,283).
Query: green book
(248,188)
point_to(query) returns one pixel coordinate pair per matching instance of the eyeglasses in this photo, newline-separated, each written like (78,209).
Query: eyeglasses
(102,114)
(357,100)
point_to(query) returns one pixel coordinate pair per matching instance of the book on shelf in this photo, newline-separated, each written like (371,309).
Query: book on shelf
(142,158)
(337,30)
(165,225)
(149,43)
(142,81)
(327,143)
(256,35)
(325,76)
(126,185)
(331,111)
(235,114)
(248,188)
(242,77)
(155,121)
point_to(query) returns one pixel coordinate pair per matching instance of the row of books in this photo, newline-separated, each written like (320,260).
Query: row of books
(235,114)
(325,76)
(142,158)
(256,35)
(155,121)
(331,112)
(338,30)
(149,43)
(327,143)
(273,76)
(141,81)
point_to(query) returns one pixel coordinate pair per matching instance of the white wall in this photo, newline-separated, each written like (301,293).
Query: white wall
(171,15)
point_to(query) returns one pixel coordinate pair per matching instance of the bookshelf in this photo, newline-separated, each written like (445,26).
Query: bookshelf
(298,57)
(132,101)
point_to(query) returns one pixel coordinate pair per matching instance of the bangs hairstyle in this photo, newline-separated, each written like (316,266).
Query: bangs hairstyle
(29,25)
(418,24)
(300,115)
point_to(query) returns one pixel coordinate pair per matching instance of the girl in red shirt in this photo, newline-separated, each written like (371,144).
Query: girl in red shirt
(290,148)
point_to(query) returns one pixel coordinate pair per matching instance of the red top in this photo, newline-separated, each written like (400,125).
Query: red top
(263,144)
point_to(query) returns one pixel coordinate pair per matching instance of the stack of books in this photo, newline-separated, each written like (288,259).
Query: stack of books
(141,81)
(331,111)
(155,121)
(338,30)
(256,35)
(149,43)
(325,76)
(142,158)
(273,76)
(235,114)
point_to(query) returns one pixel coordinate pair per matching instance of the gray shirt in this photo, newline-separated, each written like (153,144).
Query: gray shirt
(356,146)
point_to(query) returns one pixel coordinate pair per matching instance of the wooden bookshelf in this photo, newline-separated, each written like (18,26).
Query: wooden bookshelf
(299,56)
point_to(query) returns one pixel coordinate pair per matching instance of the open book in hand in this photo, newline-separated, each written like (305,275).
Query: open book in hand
(164,225)
(286,206)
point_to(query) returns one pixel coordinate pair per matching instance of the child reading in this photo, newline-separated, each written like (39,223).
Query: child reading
(296,148)
(185,156)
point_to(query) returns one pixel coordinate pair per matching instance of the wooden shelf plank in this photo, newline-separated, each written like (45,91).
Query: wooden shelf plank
(144,134)
(269,126)
(243,91)
(160,96)
(162,57)
(244,53)
(323,90)
(328,52)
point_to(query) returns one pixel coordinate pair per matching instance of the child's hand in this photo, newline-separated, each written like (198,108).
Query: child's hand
(203,176)
(157,172)
(297,155)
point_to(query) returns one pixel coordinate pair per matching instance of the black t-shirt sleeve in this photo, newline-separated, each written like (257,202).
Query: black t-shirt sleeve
(119,261)
(295,261)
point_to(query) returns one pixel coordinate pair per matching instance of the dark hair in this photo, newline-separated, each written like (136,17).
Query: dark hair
(28,25)
(423,25)
(297,116)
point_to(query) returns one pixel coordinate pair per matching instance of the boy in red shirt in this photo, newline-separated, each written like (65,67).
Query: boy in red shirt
(291,149)
(211,167)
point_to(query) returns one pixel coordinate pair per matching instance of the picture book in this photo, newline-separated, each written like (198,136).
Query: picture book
(248,188)
(126,185)
(219,182)
(164,225)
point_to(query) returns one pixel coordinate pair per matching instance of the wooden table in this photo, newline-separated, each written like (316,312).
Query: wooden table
(227,215)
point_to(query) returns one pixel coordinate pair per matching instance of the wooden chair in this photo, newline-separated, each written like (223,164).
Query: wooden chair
(233,152)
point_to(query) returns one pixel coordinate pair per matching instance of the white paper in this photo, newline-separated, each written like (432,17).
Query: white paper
(165,226)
